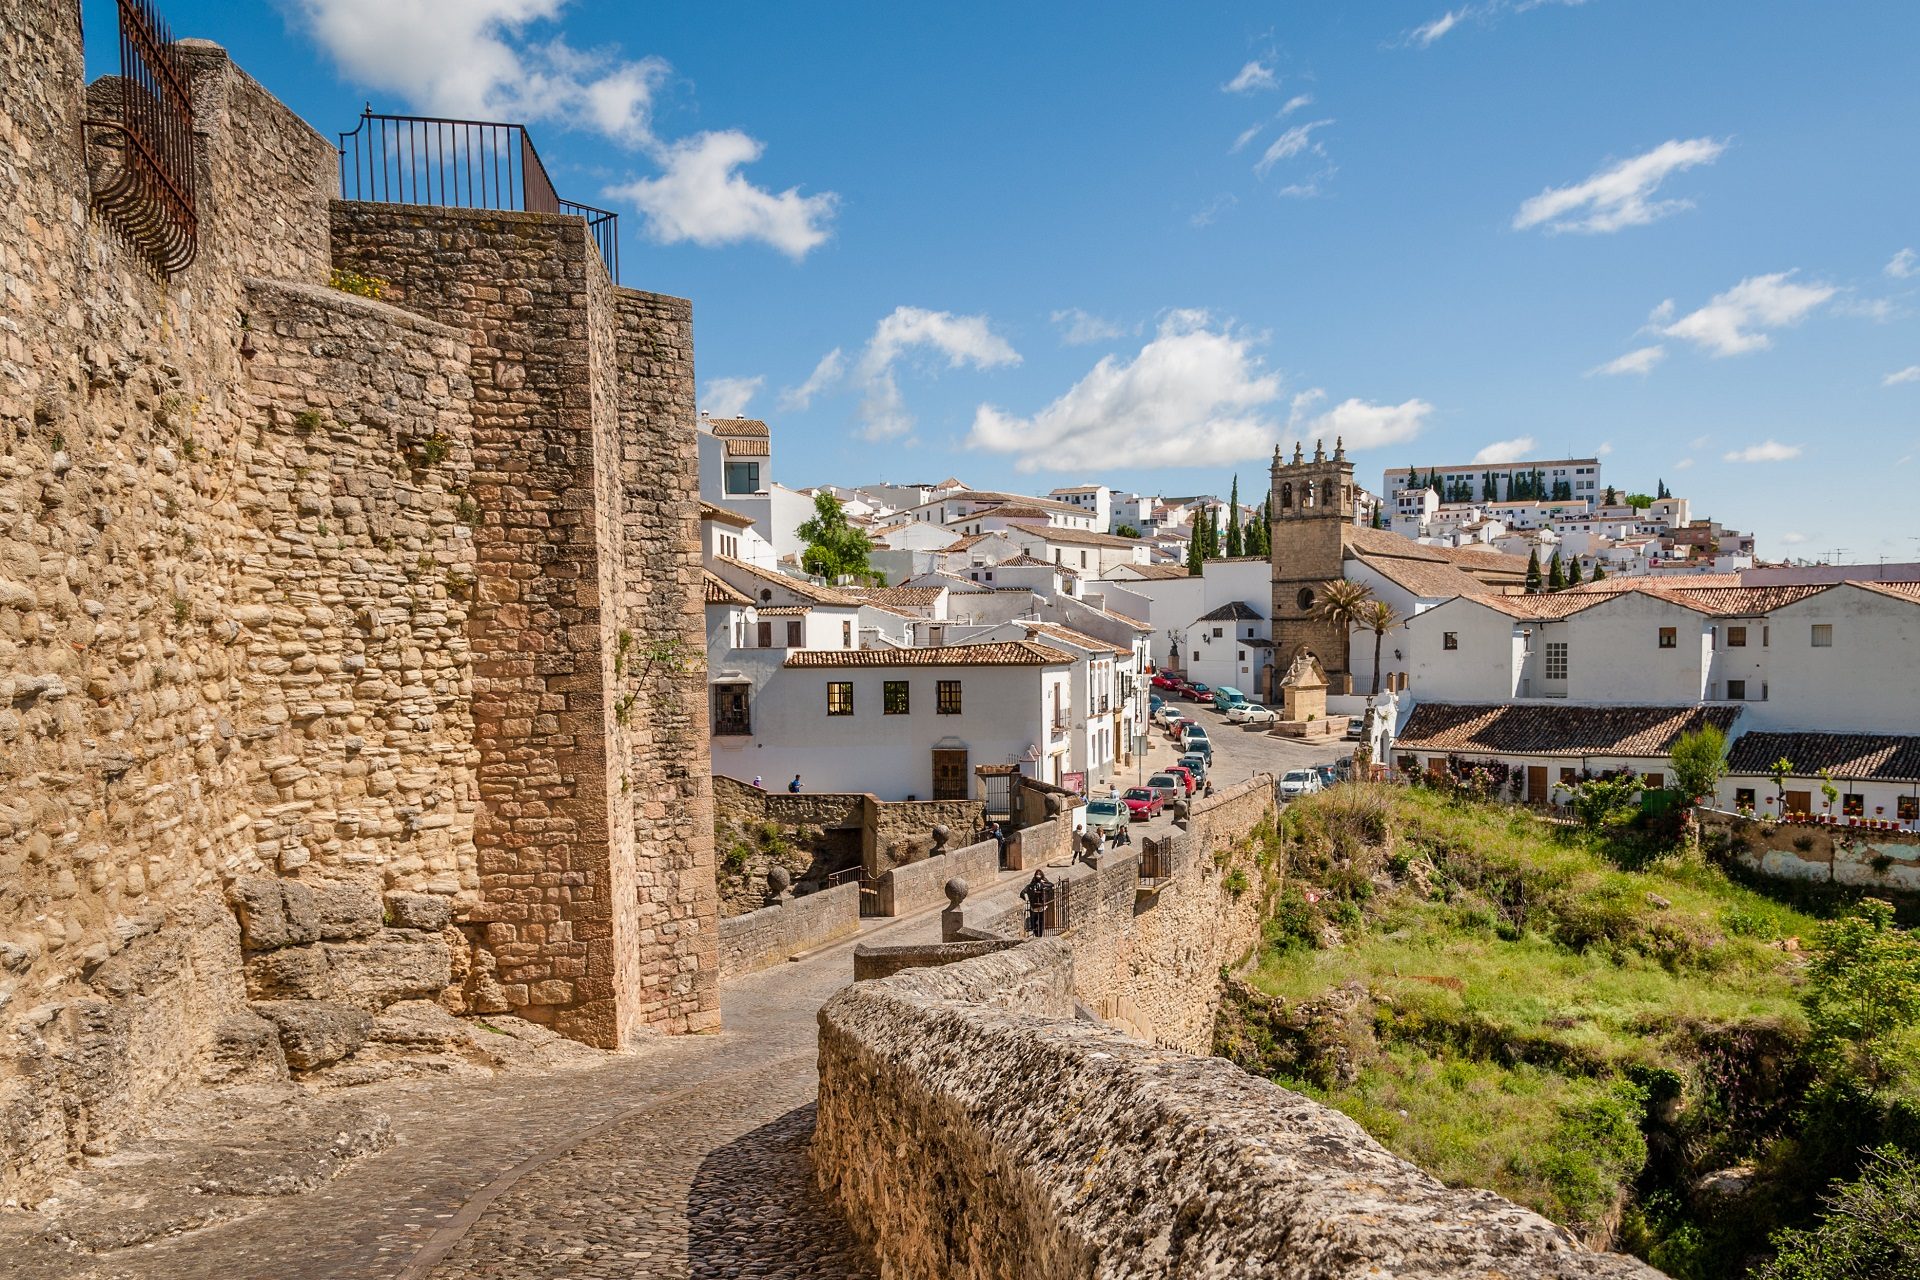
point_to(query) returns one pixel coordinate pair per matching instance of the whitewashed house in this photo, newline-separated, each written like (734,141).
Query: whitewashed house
(736,472)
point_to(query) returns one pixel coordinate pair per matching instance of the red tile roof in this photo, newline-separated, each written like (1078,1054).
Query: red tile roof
(1537,729)
(1010,653)
(734,428)
(708,511)
(1879,757)
(767,579)
(719,592)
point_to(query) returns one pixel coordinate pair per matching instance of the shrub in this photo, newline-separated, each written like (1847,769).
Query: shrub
(1871,1229)
(1863,995)
(365,286)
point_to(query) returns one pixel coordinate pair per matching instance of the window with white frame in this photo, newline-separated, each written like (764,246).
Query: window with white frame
(1823,635)
(1556,660)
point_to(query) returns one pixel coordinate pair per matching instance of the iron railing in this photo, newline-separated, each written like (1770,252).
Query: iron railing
(1059,906)
(1156,860)
(869,889)
(151,196)
(460,164)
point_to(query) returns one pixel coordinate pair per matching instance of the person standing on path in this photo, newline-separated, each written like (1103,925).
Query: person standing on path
(793,788)
(1039,895)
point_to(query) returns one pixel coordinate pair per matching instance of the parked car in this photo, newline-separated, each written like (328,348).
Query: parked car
(1329,776)
(1194,763)
(1194,738)
(1344,767)
(1226,697)
(1155,702)
(1198,692)
(1166,715)
(1185,775)
(1295,783)
(1356,728)
(1161,680)
(1178,725)
(1167,786)
(1250,713)
(1104,816)
(1142,803)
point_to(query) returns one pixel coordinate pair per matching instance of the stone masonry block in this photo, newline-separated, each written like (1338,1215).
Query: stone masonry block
(274,913)
(430,912)
(398,964)
(316,1032)
(291,973)
(346,908)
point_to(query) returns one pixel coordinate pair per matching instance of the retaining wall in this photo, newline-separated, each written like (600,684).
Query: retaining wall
(1886,861)
(968,1126)
(773,934)
(907,889)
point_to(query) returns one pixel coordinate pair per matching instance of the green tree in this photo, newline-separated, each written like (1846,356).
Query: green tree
(1196,551)
(1603,802)
(1863,997)
(1599,574)
(1827,789)
(1611,498)
(835,548)
(1235,546)
(1639,501)
(1556,576)
(1871,1228)
(1661,490)
(1573,572)
(1378,617)
(1343,603)
(1126,531)
(1699,761)
(1780,770)
(1533,572)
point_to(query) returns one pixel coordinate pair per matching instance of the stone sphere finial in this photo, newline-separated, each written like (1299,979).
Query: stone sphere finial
(940,837)
(779,881)
(1053,806)
(956,892)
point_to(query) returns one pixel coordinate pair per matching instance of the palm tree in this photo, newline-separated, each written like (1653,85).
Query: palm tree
(1378,617)
(1341,603)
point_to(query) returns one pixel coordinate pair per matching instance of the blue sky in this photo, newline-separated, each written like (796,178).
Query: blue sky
(1029,234)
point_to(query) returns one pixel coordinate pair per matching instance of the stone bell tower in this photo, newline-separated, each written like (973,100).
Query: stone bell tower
(1313,503)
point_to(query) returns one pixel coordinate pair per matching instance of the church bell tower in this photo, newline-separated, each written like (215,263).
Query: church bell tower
(1314,503)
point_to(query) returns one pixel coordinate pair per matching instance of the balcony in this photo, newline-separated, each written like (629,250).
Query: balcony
(733,726)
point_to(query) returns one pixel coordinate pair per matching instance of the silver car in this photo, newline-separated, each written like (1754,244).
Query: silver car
(1295,783)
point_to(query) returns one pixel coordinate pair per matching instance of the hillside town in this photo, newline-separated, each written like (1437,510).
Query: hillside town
(479,801)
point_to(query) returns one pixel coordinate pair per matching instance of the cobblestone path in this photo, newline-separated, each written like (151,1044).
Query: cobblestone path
(686,1159)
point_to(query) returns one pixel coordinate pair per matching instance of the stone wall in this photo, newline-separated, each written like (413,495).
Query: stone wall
(1878,861)
(968,1126)
(1148,959)
(252,596)
(776,933)
(809,836)
(922,884)
(595,836)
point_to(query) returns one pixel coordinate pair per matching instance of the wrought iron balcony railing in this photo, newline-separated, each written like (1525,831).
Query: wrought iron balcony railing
(460,164)
(150,196)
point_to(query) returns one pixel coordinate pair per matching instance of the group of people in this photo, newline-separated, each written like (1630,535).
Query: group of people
(793,788)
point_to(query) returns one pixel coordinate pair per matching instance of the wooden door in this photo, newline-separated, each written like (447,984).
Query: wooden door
(1536,784)
(949,775)
(1799,802)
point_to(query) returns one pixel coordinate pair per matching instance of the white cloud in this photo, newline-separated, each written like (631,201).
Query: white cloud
(1194,395)
(1506,450)
(488,59)
(1734,322)
(1296,102)
(1878,310)
(1079,328)
(828,372)
(1247,135)
(1425,34)
(1293,142)
(1619,196)
(701,197)
(1903,265)
(1794,539)
(1217,206)
(1683,464)
(729,397)
(1909,374)
(1602,449)
(1640,361)
(1253,77)
(1765,451)
(962,340)
(1363,425)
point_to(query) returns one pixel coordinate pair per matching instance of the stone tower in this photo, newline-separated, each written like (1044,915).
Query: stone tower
(1313,502)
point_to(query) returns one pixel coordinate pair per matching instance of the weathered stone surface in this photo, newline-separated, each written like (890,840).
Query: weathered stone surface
(429,911)
(274,912)
(246,1047)
(420,1024)
(399,964)
(291,973)
(346,908)
(315,1032)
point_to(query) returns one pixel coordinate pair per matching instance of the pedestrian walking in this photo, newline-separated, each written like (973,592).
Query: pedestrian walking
(758,783)
(998,834)
(793,787)
(1039,896)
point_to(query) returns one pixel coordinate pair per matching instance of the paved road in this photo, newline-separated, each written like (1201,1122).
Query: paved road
(685,1159)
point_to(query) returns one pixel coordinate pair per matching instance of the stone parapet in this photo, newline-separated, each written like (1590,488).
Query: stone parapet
(922,884)
(969,1126)
(775,934)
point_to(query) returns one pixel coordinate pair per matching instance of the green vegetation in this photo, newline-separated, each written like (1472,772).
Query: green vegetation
(1613,1033)
(835,549)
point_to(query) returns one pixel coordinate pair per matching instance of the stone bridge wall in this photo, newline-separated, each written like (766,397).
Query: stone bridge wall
(968,1125)
(773,934)
(922,884)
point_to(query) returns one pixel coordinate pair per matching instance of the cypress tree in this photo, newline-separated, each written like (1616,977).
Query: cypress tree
(1235,545)
(1195,550)
(1556,576)
(1533,572)
(1599,574)
(1573,572)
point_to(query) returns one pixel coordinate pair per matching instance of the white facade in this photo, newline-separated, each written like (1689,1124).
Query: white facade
(1096,499)
(1581,475)
(1175,602)
(1229,648)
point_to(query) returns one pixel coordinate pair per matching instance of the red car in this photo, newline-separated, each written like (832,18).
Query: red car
(1183,773)
(1175,725)
(1142,803)
(1162,680)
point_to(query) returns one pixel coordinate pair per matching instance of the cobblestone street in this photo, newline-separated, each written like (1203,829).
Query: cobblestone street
(688,1158)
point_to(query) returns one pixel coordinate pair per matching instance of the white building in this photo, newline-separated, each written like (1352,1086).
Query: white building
(1230,645)
(736,472)
(1493,481)
(1096,499)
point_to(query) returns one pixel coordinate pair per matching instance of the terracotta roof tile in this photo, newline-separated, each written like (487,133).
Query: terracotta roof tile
(798,586)
(748,449)
(899,597)
(1878,757)
(1055,631)
(1550,729)
(708,511)
(1010,653)
(734,428)
(718,591)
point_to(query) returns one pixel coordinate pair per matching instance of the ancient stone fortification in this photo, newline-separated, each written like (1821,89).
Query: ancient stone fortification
(969,1125)
(350,650)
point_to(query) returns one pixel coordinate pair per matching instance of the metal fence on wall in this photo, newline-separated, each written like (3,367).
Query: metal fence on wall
(460,164)
(151,196)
